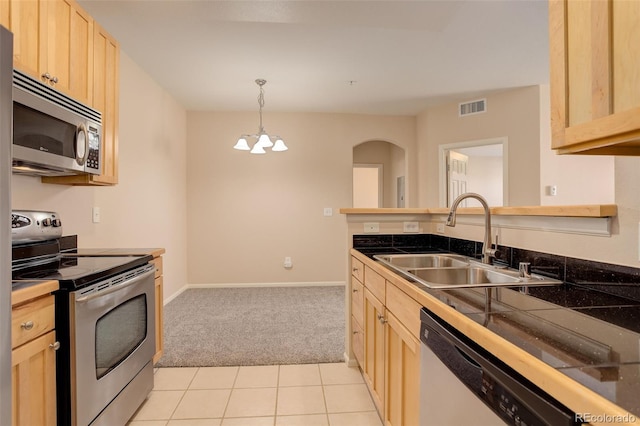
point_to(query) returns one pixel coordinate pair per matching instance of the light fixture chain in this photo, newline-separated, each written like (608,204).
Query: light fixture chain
(261,83)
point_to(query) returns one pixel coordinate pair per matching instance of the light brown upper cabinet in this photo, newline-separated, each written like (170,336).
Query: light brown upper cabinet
(595,76)
(106,84)
(58,43)
(53,42)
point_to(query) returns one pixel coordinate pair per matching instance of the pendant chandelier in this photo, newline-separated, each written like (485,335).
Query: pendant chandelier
(261,140)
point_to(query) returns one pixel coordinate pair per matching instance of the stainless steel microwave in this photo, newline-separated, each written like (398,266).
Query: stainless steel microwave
(53,134)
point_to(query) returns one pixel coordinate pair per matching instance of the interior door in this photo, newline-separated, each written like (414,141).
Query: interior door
(457,165)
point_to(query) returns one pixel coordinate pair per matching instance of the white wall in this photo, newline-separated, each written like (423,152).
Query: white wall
(514,114)
(247,212)
(580,179)
(148,206)
(484,176)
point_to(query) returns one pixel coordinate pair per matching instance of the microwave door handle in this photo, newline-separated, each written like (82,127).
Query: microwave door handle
(82,144)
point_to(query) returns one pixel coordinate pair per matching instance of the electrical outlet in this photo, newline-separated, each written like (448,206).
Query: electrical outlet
(553,190)
(440,228)
(288,263)
(328,211)
(411,227)
(371,227)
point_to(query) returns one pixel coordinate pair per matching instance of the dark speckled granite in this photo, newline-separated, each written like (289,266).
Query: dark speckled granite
(588,328)
(621,281)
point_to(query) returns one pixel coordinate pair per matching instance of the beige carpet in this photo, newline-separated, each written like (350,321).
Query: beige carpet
(254,326)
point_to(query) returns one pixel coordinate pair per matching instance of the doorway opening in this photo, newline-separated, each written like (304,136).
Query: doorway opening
(475,166)
(379,170)
(367,185)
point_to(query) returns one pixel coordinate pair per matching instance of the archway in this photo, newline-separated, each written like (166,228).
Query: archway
(379,170)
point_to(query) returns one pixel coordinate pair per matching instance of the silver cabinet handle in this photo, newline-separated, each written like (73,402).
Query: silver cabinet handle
(55,346)
(27,325)
(47,76)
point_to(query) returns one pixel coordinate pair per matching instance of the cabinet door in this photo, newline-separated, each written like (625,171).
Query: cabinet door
(26,20)
(5,11)
(106,57)
(402,382)
(106,91)
(69,49)
(33,382)
(374,349)
(595,75)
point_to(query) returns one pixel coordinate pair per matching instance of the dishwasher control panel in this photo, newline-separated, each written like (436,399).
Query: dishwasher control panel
(504,403)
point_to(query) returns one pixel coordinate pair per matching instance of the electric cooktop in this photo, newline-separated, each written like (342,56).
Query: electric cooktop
(45,261)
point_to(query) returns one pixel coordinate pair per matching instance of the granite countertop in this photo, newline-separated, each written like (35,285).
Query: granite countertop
(589,336)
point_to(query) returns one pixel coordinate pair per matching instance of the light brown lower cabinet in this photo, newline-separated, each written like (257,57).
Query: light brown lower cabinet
(374,348)
(33,380)
(402,378)
(387,348)
(33,361)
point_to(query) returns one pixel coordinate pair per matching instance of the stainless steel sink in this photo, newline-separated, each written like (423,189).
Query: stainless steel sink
(464,277)
(411,261)
(445,271)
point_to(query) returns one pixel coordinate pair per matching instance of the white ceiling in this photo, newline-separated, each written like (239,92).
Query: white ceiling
(371,57)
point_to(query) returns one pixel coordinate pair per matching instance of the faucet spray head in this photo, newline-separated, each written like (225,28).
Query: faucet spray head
(451,219)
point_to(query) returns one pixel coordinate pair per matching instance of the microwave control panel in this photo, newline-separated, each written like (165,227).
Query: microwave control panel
(93,156)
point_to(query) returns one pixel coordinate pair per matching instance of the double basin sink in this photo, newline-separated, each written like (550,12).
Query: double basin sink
(448,271)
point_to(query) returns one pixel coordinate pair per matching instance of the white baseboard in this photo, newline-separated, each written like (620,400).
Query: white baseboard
(241,285)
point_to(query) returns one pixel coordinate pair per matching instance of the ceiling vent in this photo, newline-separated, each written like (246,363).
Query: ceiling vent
(472,107)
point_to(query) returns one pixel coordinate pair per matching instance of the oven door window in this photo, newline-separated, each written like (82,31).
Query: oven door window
(119,333)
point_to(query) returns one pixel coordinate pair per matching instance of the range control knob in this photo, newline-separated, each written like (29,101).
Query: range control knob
(46,222)
(56,223)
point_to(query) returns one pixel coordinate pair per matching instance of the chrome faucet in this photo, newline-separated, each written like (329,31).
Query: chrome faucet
(487,251)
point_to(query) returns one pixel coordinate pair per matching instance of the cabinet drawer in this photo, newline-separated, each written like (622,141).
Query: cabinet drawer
(31,320)
(404,308)
(157,262)
(357,300)
(375,283)
(357,269)
(357,341)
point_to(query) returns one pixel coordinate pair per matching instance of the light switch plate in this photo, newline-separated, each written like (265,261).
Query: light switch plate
(95,215)
(440,228)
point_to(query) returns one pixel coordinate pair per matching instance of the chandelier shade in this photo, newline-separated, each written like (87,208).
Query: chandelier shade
(262,139)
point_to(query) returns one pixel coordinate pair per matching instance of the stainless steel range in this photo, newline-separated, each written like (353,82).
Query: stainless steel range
(105,322)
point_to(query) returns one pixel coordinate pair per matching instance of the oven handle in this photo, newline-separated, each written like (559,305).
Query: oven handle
(118,287)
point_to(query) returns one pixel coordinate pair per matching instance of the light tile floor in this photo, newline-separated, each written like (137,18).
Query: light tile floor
(278,395)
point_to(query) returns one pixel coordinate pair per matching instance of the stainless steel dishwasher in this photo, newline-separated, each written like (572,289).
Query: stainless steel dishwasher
(461,383)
